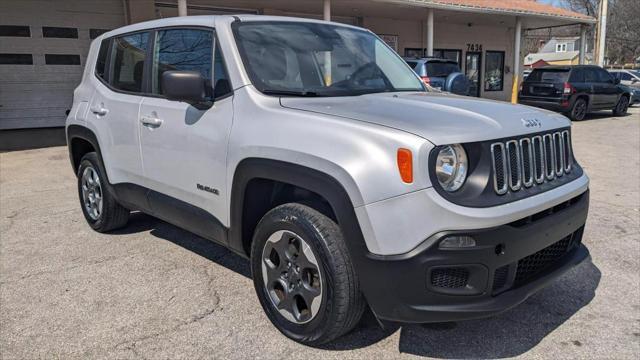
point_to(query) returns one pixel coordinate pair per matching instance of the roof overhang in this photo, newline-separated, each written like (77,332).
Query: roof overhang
(531,19)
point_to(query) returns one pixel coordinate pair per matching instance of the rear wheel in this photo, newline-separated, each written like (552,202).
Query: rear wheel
(100,208)
(303,275)
(621,107)
(578,110)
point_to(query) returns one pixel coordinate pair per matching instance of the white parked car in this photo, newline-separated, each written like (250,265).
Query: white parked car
(312,149)
(630,78)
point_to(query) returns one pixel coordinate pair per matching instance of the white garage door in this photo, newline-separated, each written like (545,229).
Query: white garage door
(43,49)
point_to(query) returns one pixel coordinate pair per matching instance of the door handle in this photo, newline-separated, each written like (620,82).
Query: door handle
(151,121)
(99,111)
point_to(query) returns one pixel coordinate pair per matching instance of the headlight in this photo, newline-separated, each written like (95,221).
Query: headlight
(451,167)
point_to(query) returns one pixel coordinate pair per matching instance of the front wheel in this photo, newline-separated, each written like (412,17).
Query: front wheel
(621,107)
(100,208)
(578,110)
(303,275)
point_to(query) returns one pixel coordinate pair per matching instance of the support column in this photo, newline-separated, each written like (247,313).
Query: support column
(430,33)
(602,33)
(583,43)
(327,10)
(516,61)
(327,54)
(182,7)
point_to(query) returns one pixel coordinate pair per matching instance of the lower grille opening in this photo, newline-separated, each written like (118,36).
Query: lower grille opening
(500,277)
(449,278)
(535,264)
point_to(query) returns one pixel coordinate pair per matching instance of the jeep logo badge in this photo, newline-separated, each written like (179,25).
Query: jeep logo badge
(531,123)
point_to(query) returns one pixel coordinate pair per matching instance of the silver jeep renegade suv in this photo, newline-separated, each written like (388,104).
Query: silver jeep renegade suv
(313,150)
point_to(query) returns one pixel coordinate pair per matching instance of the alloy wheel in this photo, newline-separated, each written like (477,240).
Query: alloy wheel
(292,276)
(580,110)
(91,193)
(623,104)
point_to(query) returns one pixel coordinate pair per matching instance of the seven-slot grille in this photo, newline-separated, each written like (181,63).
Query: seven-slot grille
(530,160)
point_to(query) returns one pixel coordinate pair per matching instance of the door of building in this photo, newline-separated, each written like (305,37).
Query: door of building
(472,69)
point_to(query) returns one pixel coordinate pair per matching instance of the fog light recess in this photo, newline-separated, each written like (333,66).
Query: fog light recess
(456,242)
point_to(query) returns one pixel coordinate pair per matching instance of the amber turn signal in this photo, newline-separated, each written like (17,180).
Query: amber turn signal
(405,165)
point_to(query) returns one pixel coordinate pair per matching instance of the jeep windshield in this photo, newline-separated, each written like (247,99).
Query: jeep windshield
(314,59)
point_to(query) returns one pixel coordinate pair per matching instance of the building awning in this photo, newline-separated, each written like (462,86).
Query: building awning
(505,7)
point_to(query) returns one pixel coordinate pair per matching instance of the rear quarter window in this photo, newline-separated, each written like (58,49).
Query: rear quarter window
(128,54)
(101,61)
(413,64)
(548,76)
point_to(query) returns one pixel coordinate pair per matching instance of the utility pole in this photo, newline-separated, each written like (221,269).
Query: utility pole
(601,33)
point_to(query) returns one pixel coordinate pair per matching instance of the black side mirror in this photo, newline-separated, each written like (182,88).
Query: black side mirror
(634,80)
(616,81)
(187,86)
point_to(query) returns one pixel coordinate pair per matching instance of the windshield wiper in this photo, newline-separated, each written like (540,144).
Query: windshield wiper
(290,93)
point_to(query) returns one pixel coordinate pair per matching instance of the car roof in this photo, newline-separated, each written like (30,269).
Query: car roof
(210,20)
(567,67)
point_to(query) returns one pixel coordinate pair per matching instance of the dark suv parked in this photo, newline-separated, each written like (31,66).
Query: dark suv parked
(574,90)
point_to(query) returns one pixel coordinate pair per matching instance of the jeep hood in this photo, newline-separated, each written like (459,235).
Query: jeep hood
(437,117)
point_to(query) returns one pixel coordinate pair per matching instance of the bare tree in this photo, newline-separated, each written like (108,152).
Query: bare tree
(623,27)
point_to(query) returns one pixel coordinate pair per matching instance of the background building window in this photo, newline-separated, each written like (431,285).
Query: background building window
(61,59)
(449,54)
(561,47)
(94,33)
(415,53)
(16,59)
(494,71)
(59,32)
(11,30)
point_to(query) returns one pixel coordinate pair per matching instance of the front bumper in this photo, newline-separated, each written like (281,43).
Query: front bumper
(507,265)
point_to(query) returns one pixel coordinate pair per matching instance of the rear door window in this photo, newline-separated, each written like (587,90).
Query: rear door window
(590,75)
(127,61)
(577,76)
(603,76)
(549,76)
(624,76)
(441,69)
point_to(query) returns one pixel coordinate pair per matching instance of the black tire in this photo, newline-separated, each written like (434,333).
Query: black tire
(342,303)
(578,110)
(112,215)
(621,107)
